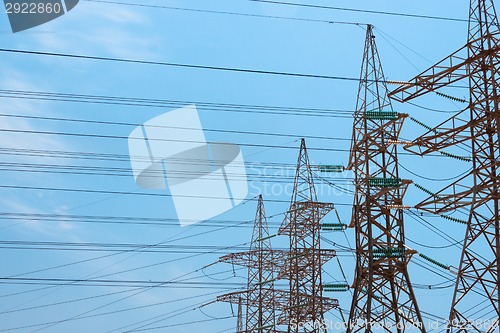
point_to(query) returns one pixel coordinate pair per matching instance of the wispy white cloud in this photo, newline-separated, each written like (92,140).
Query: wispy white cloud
(27,205)
(19,145)
(90,28)
(101,28)
(16,80)
(113,13)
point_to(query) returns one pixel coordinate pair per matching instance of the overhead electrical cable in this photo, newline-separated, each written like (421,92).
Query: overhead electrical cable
(85,155)
(120,220)
(167,103)
(142,290)
(420,55)
(171,239)
(155,174)
(192,66)
(42,306)
(77,190)
(378,12)
(156,319)
(160,284)
(105,136)
(196,322)
(439,232)
(145,5)
(116,283)
(435,179)
(115,123)
(171,64)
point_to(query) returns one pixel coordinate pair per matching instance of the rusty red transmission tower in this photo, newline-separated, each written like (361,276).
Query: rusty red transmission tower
(301,308)
(303,267)
(478,62)
(259,298)
(382,290)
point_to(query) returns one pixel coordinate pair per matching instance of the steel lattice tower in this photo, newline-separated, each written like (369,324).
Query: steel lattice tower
(259,297)
(479,63)
(303,267)
(300,309)
(382,290)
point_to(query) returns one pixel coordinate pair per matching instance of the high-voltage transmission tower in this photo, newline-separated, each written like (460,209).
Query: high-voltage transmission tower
(303,267)
(259,297)
(382,290)
(478,62)
(301,308)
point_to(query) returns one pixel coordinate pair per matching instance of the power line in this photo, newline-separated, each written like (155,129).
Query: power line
(117,247)
(123,220)
(135,250)
(127,297)
(104,136)
(121,310)
(438,231)
(155,319)
(136,292)
(171,64)
(176,325)
(139,250)
(263,176)
(85,155)
(93,171)
(68,301)
(53,323)
(363,11)
(115,123)
(200,105)
(106,295)
(435,179)
(116,283)
(180,65)
(260,1)
(222,12)
(79,190)
(164,103)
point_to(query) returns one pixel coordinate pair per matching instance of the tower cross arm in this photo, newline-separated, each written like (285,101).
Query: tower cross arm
(451,69)
(451,198)
(451,132)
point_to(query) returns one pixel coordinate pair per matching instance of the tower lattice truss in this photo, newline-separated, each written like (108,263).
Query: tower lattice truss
(303,268)
(259,298)
(383,294)
(300,308)
(478,128)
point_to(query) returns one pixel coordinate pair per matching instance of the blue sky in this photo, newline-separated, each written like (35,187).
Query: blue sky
(407,46)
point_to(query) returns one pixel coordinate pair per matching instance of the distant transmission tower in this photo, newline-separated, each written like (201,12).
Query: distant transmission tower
(478,62)
(301,308)
(259,297)
(382,290)
(303,268)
